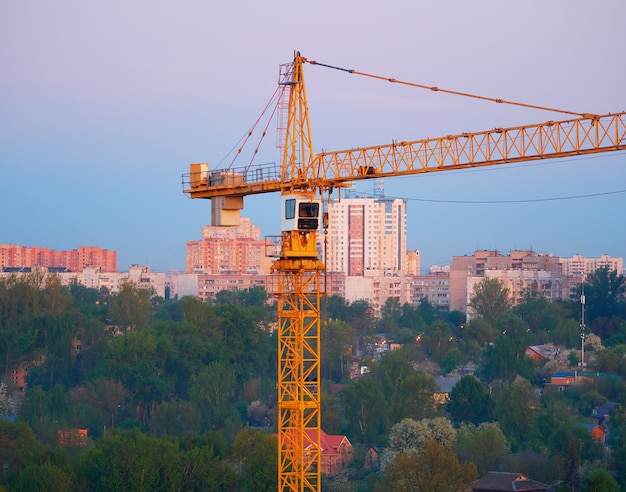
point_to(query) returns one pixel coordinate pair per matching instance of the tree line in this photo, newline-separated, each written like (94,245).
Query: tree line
(181,394)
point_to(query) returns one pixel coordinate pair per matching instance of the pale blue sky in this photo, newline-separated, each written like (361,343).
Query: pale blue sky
(104,104)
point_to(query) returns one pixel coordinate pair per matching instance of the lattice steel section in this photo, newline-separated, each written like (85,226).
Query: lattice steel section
(298,293)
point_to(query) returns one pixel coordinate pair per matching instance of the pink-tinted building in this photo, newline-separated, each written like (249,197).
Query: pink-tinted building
(75,260)
(235,250)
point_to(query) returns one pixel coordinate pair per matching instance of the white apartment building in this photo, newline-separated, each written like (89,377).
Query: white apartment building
(93,278)
(366,235)
(580,266)
(366,241)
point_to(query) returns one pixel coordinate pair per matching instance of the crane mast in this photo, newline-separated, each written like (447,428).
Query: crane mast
(296,283)
(302,178)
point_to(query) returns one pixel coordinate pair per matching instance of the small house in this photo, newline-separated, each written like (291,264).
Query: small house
(540,352)
(505,482)
(335,453)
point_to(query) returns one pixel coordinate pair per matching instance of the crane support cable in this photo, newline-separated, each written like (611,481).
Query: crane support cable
(456,93)
(270,104)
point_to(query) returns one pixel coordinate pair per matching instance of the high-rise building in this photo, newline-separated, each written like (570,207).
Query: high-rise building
(366,235)
(366,242)
(229,250)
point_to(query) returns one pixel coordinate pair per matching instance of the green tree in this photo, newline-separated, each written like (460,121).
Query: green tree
(252,296)
(414,397)
(46,411)
(336,348)
(438,340)
(87,300)
(470,402)
(604,292)
(611,360)
(476,334)
(20,302)
(213,390)
(504,360)
(452,359)
(18,445)
(619,336)
(130,460)
(257,453)
(175,417)
(45,477)
(434,469)
(554,426)
(335,307)
(138,360)
(109,395)
(56,335)
(489,299)
(572,465)
(514,411)
(601,480)
(617,439)
(365,409)
(332,417)
(392,368)
(239,329)
(199,314)
(411,318)
(206,464)
(484,445)
(389,316)
(531,309)
(567,333)
(361,318)
(130,308)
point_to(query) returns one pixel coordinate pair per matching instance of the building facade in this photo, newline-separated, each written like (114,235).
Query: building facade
(237,250)
(366,235)
(14,257)
(580,266)
(205,286)
(142,276)
(553,277)
(434,287)
(365,249)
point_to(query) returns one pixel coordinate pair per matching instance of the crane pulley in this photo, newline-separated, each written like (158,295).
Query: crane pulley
(302,176)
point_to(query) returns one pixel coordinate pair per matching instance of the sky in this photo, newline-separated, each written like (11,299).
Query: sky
(103,106)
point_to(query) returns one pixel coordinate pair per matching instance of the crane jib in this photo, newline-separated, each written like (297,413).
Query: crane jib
(327,170)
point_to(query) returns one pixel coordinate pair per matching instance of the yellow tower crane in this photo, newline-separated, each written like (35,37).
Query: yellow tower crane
(303,177)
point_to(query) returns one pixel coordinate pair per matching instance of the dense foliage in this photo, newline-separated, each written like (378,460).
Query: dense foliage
(182,394)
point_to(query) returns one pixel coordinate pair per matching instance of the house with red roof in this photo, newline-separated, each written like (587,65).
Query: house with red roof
(335,454)
(540,352)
